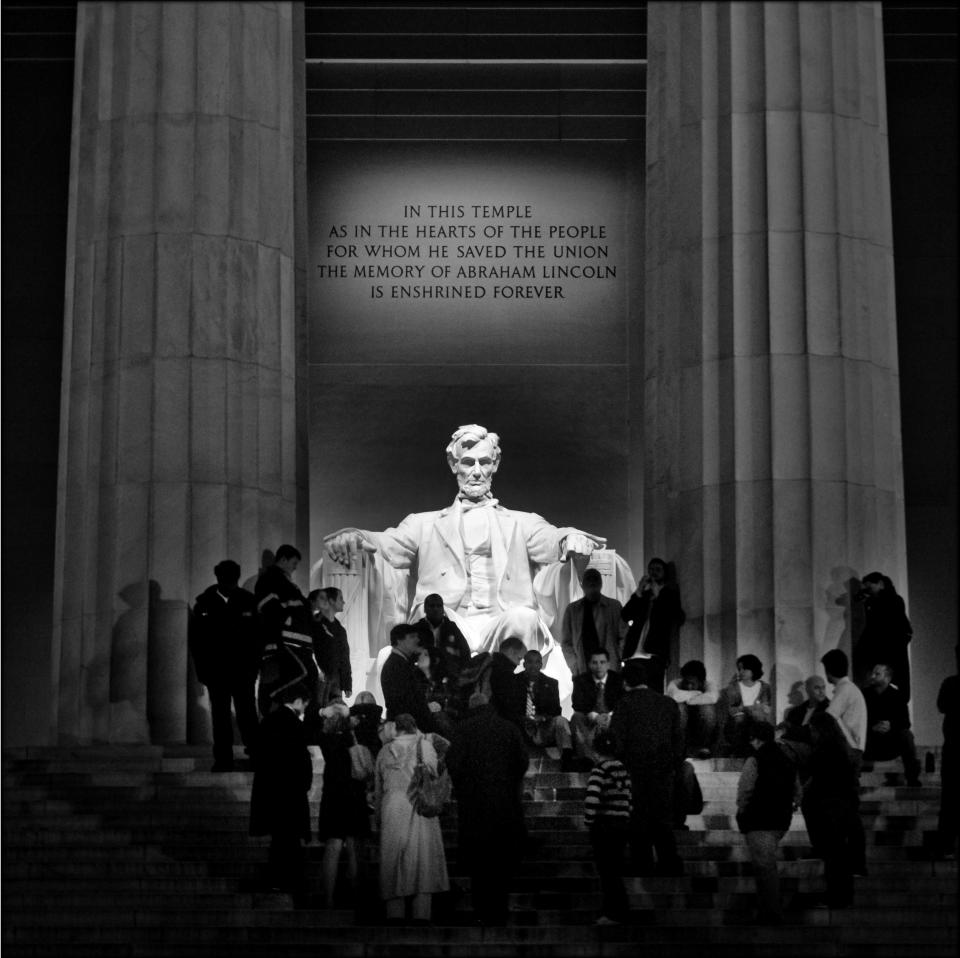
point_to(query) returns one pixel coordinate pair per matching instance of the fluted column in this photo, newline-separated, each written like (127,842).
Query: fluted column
(772,418)
(180,439)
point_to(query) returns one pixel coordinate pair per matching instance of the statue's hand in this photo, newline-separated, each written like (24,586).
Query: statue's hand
(343,546)
(583,543)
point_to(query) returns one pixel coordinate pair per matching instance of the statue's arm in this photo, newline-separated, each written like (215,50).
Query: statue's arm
(398,546)
(547,543)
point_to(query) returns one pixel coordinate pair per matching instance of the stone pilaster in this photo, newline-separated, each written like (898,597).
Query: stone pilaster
(180,441)
(773,466)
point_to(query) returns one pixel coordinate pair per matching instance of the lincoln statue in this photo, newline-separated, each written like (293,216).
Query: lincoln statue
(497,569)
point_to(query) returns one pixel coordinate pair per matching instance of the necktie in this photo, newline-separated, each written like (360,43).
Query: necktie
(601,703)
(531,708)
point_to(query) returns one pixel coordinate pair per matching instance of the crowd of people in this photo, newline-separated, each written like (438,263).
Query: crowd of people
(282,660)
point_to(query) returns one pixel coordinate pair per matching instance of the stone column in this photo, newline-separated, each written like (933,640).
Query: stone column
(773,466)
(180,440)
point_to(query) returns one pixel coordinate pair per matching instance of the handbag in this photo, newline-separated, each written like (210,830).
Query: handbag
(361,762)
(429,790)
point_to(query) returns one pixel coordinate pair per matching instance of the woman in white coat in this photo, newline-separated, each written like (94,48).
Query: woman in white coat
(413,865)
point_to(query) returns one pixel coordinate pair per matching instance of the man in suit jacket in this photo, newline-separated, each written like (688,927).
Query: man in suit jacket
(655,616)
(542,721)
(480,557)
(591,623)
(438,632)
(487,761)
(400,679)
(646,728)
(596,694)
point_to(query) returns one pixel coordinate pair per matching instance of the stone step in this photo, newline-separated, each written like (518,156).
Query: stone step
(245,916)
(325,929)
(832,947)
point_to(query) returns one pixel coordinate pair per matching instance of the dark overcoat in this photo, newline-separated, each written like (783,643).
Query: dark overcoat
(283,773)
(487,761)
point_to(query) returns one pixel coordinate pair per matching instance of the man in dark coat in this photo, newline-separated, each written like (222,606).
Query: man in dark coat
(888,724)
(766,793)
(226,656)
(595,695)
(506,696)
(646,727)
(886,632)
(401,680)
(438,632)
(487,762)
(286,627)
(283,773)
(655,616)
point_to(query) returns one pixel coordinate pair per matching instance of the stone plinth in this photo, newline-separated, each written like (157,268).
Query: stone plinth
(180,440)
(773,467)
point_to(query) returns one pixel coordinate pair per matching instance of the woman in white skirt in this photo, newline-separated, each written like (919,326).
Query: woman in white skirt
(413,865)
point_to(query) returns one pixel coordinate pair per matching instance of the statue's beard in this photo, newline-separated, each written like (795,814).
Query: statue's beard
(475,488)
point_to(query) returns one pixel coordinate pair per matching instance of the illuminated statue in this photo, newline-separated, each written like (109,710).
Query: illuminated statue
(500,572)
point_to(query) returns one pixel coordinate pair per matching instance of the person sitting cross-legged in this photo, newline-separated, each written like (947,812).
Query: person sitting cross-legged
(542,721)
(595,696)
(888,724)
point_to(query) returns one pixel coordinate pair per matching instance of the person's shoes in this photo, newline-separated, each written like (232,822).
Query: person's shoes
(603,920)
(222,767)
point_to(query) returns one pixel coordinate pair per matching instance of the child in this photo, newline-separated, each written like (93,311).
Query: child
(283,773)
(607,811)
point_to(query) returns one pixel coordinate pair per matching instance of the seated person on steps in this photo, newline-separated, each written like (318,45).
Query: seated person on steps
(595,696)
(697,697)
(542,721)
(888,724)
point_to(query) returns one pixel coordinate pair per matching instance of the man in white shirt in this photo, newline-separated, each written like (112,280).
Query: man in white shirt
(849,708)
(848,705)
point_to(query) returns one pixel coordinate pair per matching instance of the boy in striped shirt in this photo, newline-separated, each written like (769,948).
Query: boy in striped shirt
(607,811)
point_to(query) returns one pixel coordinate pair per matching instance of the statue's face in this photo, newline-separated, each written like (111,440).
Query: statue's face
(475,470)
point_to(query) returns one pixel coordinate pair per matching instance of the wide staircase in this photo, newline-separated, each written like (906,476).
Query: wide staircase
(141,852)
